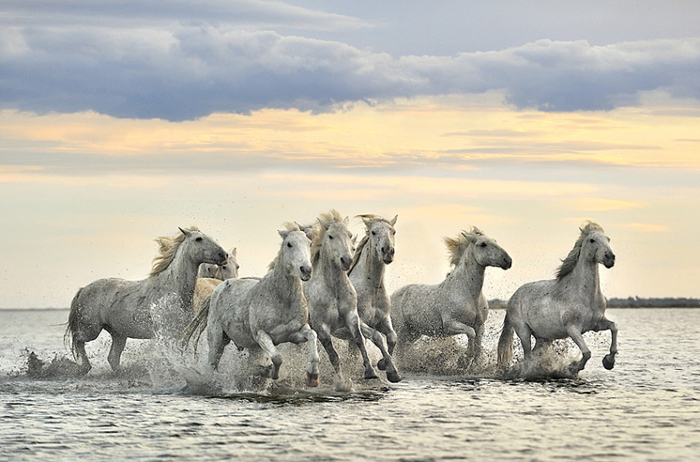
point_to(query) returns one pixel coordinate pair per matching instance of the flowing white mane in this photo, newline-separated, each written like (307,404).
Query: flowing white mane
(457,246)
(568,264)
(167,247)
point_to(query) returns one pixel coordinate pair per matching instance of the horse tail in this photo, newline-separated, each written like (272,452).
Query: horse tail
(505,343)
(73,324)
(196,327)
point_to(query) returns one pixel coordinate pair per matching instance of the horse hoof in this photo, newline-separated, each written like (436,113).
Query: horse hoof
(609,361)
(311,380)
(381,365)
(393,377)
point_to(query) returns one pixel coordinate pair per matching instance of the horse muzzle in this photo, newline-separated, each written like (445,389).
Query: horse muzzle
(609,260)
(507,263)
(305,273)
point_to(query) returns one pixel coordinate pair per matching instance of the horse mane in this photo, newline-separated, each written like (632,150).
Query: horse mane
(568,264)
(289,227)
(360,247)
(457,246)
(319,232)
(167,246)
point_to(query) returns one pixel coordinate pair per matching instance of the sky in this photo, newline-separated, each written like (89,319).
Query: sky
(121,121)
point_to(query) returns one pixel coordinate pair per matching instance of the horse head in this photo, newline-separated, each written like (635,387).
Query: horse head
(595,245)
(381,235)
(229,269)
(485,250)
(202,248)
(295,253)
(336,239)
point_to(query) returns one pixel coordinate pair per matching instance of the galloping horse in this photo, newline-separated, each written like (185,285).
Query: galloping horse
(125,308)
(258,314)
(563,307)
(332,298)
(375,251)
(456,305)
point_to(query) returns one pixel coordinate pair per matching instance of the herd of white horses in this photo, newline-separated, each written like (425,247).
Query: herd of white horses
(322,284)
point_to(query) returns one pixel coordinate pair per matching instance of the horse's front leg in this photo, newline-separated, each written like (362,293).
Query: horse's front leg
(308,335)
(387,363)
(609,359)
(263,339)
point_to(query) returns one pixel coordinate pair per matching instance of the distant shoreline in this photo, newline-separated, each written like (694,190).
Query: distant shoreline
(630,302)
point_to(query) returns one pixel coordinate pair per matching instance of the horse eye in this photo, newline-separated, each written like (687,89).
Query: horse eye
(199,239)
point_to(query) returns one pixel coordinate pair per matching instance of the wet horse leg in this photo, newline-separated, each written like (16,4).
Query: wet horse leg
(386,328)
(609,359)
(263,339)
(324,336)
(307,334)
(217,340)
(115,351)
(575,334)
(386,363)
(453,327)
(353,322)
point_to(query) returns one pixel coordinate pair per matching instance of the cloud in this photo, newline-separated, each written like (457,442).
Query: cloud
(190,60)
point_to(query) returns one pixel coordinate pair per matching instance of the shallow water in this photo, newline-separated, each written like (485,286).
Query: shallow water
(647,408)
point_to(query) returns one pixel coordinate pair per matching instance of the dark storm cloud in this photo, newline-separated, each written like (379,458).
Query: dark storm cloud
(220,58)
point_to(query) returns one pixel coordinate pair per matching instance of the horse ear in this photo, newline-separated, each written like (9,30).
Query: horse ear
(310,232)
(393,221)
(185,232)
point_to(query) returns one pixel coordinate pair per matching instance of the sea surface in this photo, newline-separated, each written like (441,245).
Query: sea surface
(646,408)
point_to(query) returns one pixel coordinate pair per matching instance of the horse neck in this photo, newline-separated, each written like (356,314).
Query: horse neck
(333,275)
(180,277)
(286,286)
(585,274)
(467,277)
(371,265)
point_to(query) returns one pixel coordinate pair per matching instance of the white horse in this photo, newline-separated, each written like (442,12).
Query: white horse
(229,269)
(332,298)
(125,308)
(456,305)
(563,307)
(375,251)
(258,314)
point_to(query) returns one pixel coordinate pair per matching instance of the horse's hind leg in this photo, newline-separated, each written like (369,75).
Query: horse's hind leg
(81,355)
(115,352)
(353,323)
(576,336)
(217,341)
(263,339)
(324,337)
